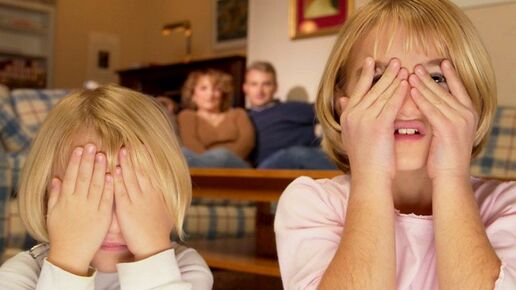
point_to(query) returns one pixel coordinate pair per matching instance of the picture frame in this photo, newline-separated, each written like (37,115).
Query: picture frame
(230,24)
(311,18)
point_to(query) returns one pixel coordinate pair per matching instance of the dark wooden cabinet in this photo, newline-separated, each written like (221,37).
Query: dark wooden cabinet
(167,80)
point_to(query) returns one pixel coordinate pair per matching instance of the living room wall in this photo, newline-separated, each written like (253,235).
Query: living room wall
(136,24)
(300,63)
(75,19)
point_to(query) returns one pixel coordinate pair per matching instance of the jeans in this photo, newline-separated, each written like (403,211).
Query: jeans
(214,158)
(298,157)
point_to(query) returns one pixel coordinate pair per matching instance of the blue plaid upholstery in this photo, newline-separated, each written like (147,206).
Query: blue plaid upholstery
(21,114)
(498,158)
(32,106)
(212,219)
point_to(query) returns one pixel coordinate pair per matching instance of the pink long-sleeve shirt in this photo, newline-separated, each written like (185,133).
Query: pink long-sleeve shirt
(310,219)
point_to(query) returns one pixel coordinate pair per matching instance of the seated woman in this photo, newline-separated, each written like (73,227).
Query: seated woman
(213,133)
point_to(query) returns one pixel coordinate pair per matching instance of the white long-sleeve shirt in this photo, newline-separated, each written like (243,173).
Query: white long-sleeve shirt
(178,268)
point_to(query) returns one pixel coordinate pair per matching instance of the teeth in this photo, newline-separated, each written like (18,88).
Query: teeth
(407,131)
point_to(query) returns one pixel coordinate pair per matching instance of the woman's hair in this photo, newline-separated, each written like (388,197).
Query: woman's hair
(429,24)
(119,117)
(220,80)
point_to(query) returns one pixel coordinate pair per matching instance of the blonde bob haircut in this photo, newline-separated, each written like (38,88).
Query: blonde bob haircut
(437,24)
(220,80)
(119,117)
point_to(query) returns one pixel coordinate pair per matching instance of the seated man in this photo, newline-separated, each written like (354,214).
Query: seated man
(285,132)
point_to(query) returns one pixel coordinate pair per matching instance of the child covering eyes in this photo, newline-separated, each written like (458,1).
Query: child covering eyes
(103,188)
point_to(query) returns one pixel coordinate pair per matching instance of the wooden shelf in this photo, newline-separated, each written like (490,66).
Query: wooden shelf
(248,184)
(253,185)
(235,254)
(29,30)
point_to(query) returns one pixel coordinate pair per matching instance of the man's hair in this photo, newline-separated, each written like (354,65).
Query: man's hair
(265,67)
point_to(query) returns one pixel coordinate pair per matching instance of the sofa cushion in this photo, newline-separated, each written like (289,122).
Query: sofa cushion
(212,219)
(498,158)
(13,136)
(13,236)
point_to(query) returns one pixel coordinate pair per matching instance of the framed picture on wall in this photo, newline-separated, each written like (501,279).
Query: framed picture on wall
(310,18)
(230,27)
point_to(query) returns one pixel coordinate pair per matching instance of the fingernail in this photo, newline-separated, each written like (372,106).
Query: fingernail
(109,178)
(420,70)
(413,78)
(369,61)
(395,63)
(124,151)
(118,170)
(99,157)
(78,151)
(90,148)
(447,64)
(53,182)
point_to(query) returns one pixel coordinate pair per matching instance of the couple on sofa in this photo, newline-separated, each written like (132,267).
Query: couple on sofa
(270,135)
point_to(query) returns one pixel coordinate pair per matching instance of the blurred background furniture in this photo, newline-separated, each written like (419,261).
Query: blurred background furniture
(167,80)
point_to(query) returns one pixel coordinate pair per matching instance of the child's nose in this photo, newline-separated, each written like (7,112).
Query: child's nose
(409,109)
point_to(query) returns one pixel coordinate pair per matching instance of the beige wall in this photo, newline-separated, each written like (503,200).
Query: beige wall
(137,24)
(75,19)
(172,48)
(300,63)
(497,27)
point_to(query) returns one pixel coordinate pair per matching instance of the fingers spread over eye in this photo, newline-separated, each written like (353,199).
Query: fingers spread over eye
(121,195)
(97,181)
(85,171)
(364,82)
(385,82)
(106,201)
(72,170)
(455,84)
(128,173)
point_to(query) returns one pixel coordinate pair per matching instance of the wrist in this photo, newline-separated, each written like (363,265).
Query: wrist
(450,179)
(69,262)
(371,189)
(382,180)
(446,187)
(152,250)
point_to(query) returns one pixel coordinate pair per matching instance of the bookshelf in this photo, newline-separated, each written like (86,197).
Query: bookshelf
(26,33)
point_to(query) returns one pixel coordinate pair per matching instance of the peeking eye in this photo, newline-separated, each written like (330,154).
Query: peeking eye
(376,78)
(439,78)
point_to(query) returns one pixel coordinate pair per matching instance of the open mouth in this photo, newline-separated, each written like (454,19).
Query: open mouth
(407,131)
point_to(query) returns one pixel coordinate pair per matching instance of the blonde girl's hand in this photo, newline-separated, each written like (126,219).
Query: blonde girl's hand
(80,210)
(452,117)
(367,120)
(142,214)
